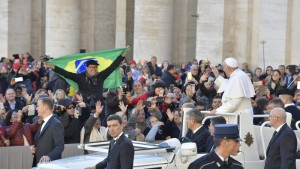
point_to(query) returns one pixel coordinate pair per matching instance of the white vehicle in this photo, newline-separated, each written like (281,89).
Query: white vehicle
(171,154)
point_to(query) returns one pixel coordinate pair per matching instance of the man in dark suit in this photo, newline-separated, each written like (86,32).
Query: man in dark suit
(121,150)
(49,139)
(210,146)
(227,141)
(197,133)
(281,151)
(286,97)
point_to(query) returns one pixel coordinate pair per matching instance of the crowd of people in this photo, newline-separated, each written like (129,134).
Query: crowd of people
(150,102)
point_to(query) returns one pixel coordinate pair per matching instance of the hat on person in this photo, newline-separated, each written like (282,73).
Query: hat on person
(143,79)
(132,62)
(159,83)
(227,131)
(16,66)
(91,62)
(285,91)
(65,102)
(231,62)
(20,86)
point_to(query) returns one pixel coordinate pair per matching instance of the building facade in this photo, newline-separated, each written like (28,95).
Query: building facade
(258,32)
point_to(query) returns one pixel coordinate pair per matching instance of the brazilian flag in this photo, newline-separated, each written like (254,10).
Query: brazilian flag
(76,63)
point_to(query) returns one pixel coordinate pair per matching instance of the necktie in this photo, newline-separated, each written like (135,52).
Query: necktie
(274,134)
(41,129)
(226,164)
(112,143)
(212,148)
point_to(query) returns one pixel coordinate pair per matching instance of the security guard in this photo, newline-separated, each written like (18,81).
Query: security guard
(227,141)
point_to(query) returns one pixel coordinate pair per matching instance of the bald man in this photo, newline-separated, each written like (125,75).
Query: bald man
(281,151)
(238,89)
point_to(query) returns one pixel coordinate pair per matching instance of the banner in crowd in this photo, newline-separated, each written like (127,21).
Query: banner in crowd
(76,63)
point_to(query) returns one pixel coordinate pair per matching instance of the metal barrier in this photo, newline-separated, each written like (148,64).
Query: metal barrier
(20,157)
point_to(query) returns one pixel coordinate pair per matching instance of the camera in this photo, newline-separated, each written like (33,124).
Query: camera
(58,110)
(147,103)
(171,88)
(92,101)
(125,88)
(173,106)
(79,109)
(219,67)
(160,99)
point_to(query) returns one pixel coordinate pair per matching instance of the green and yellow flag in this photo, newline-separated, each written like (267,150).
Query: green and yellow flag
(76,64)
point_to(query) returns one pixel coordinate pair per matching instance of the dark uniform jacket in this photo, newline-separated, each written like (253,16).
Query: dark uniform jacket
(212,161)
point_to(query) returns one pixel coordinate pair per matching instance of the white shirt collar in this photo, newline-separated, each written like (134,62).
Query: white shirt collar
(45,121)
(222,158)
(289,104)
(197,129)
(116,138)
(278,128)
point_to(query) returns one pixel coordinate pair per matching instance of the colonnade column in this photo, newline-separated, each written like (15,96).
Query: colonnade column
(153,29)
(62,27)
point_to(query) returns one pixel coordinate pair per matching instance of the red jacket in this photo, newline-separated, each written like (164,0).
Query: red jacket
(16,131)
(2,136)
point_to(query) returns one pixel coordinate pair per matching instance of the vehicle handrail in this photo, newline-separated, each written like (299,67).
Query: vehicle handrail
(297,125)
(262,140)
(222,114)
(206,118)
(298,129)
(260,115)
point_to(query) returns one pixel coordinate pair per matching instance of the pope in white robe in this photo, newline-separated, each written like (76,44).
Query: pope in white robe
(238,90)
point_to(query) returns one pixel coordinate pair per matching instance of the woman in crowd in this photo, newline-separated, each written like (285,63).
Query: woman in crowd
(164,65)
(59,94)
(145,77)
(20,134)
(274,84)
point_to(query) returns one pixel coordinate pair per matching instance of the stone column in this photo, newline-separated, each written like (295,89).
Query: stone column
(153,29)
(293,38)
(185,28)
(19,27)
(210,27)
(254,54)
(87,26)
(105,24)
(3,28)
(241,31)
(120,24)
(38,23)
(130,26)
(273,24)
(62,27)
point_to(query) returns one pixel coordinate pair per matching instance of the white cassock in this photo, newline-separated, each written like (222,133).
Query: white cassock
(238,91)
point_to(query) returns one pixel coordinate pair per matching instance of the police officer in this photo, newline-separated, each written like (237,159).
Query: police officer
(227,141)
